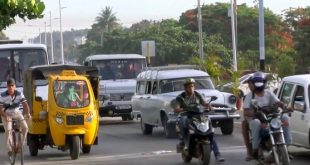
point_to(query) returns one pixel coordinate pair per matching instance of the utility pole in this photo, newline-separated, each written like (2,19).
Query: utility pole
(200,31)
(233,35)
(40,36)
(45,38)
(261,36)
(61,37)
(52,44)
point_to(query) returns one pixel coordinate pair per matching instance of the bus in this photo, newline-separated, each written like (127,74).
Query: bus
(118,73)
(15,58)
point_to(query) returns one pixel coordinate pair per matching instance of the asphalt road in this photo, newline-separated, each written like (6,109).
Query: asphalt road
(122,143)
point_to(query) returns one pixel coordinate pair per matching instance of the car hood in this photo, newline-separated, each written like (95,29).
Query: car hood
(206,93)
(117,86)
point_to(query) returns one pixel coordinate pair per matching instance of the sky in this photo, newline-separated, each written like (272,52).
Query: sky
(80,14)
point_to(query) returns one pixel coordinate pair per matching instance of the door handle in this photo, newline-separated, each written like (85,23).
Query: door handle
(148,97)
(141,97)
(302,117)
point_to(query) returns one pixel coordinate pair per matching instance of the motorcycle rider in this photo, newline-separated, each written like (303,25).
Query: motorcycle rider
(264,98)
(185,98)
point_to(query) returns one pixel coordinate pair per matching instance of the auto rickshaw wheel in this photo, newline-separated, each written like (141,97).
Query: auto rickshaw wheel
(33,146)
(86,149)
(74,145)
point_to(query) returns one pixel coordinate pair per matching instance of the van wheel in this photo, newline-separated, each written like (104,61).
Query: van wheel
(74,144)
(227,126)
(146,128)
(169,129)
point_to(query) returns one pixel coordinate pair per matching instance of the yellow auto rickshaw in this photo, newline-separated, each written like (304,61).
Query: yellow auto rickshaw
(64,104)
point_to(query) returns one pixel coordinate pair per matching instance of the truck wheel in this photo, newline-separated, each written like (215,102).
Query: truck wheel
(124,118)
(33,146)
(86,149)
(227,126)
(146,128)
(169,129)
(74,147)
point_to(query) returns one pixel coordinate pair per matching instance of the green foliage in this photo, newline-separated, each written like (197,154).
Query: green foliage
(286,66)
(24,9)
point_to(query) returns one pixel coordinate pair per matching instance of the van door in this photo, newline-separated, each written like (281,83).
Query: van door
(150,104)
(300,117)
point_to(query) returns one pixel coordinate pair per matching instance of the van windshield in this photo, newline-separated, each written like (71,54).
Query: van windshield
(14,62)
(172,85)
(119,68)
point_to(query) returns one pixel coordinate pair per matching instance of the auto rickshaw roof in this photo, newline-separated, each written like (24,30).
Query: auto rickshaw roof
(42,71)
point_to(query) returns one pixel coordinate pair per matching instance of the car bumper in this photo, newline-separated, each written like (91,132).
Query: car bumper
(115,110)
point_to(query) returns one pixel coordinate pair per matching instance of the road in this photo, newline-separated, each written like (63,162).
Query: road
(121,143)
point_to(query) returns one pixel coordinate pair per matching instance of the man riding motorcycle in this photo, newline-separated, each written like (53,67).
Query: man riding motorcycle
(264,98)
(184,99)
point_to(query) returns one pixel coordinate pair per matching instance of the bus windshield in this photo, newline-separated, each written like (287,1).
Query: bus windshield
(14,62)
(119,68)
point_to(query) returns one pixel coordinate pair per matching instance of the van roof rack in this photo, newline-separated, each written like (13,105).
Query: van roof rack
(11,42)
(173,67)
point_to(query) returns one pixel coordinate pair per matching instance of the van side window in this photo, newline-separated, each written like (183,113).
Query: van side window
(148,87)
(154,89)
(286,92)
(141,87)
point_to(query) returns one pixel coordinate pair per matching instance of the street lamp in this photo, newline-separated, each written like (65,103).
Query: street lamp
(52,44)
(61,36)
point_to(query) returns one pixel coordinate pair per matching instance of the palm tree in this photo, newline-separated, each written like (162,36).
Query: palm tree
(106,21)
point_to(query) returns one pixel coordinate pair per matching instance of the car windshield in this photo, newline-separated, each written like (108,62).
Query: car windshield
(172,85)
(14,62)
(71,94)
(119,68)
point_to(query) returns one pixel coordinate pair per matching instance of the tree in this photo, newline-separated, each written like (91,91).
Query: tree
(299,22)
(107,19)
(24,9)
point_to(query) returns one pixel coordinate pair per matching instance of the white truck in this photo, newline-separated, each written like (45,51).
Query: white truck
(118,73)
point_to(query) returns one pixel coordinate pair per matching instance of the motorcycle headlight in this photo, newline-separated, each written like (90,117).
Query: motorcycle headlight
(203,127)
(275,123)
(59,119)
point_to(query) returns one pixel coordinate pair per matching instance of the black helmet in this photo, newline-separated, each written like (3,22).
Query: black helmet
(259,81)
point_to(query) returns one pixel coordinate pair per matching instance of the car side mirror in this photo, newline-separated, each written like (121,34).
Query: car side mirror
(299,106)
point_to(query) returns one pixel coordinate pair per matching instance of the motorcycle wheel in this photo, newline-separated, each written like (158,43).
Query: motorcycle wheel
(275,156)
(204,159)
(284,157)
(74,147)
(186,156)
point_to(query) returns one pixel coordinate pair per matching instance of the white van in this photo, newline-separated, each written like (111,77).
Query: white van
(118,74)
(295,91)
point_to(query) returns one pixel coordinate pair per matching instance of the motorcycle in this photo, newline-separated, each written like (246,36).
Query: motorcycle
(200,132)
(272,147)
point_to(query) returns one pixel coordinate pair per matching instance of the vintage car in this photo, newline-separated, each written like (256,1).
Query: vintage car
(294,91)
(158,86)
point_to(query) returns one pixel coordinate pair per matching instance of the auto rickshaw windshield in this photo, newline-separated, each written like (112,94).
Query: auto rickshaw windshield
(71,94)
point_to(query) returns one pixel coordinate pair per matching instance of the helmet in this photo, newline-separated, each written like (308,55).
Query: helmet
(189,81)
(259,81)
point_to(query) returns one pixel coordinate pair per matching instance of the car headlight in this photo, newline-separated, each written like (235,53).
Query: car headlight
(275,123)
(203,127)
(232,99)
(59,119)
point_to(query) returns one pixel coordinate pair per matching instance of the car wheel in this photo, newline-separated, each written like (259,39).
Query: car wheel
(146,128)
(227,126)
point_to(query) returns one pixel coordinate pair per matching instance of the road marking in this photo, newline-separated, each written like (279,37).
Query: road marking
(106,158)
